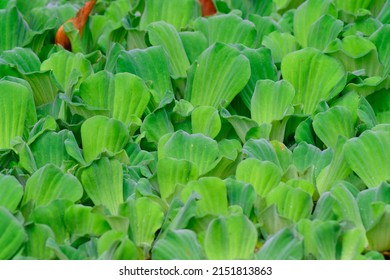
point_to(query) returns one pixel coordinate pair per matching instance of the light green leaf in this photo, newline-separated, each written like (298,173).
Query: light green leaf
(324,31)
(263,175)
(156,10)
(292,203)
(262,67)
(369,156)
(150,64)
(315,77)
(230,238)
(12,234)
(50,183)
(171,172)
(103,182)
(206,120)
(50,148)
(333,123)
(338,169)
(284,245)
(65,64)
(14,28)
(228,29)
(272,101)
(24,60)
(165,35)
(198,149)
(357,54)
(156,125)
(280,45)
(82,220)
(11,192)
(242,194)
(17,111)
(194,43)
(53,215)
(101,134)
(178,245)
(379,38)
(307,14)
(145,216)
(261,149)
(220,73)
(213,196)
(36,243)
(380,103)
(115,245)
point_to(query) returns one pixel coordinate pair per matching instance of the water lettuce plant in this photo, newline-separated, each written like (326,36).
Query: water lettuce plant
(194,130)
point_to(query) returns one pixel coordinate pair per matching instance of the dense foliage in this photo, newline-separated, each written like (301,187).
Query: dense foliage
(261,132)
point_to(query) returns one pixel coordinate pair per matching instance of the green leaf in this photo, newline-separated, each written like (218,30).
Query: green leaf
(17,111)
(379,38)
(315,77)
(347,209)
(213,196)
(194,43)
(242,194)
(43,85)
(307,14)
(380,103)
(262,175)
(284,245)
(103,182)
(156,10)
(369,156)
(378,234)
(36,243)
(82,220)
(280,44)
(50,147)
(65,64)
(228,29)
(178,245)
(11,192)
(53,215)
(333,123)
(261,149)
(50,183)
(272,101)
(101,134)
(24,60)
(292,203)
(262,67)
(366,200)
(165,35)
(12,234)
(14,28)
(198,149)
(220,73)
(230,238)
(171,172)
(357,54)
(324,31)
(150,64)
(206,120)
(338,169)
(145,216)
(320,238)
(124,95)
(156,125)
(115,245)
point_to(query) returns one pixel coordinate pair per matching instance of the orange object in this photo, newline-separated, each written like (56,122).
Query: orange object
(208,8)
(78,22)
